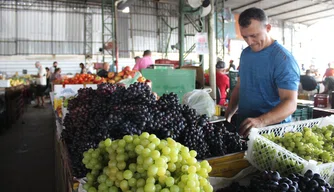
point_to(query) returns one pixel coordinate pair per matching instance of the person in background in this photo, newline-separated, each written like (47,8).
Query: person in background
(308,82)
(329,71)
(267,87)
(144,62)
(232,66)
(104,72)
(82,68)
(222,81)
(48,85)
(303,68)
(41,84)
(137,58)
(54,66)
(56,75)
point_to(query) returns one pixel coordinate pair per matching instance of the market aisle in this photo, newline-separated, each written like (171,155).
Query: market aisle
(27,153)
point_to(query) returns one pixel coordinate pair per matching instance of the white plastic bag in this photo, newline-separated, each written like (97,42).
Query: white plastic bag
(201,101)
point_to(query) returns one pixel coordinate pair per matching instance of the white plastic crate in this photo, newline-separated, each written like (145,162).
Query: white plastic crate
(267,155)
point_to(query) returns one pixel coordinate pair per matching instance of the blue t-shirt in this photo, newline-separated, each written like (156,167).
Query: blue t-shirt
(261,74)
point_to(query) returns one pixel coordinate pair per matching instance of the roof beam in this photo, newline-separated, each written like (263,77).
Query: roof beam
(297,9)
(311,13)
(279,5)
(317,18)
(245,5)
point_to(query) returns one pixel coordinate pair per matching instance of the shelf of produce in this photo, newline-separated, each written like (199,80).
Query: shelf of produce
(64,179)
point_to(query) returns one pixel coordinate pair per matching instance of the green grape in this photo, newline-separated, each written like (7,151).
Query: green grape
(107,142)
(149,187)
(132,182)
(165,190)
(124,185)
(174,188)
(155,154)
(127,174)
(140,183)
(146,163)
(169,181)
(113,189)
(158,187)
(92,189)
(152,171)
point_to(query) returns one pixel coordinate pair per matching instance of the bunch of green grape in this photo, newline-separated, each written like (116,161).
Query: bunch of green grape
(267,157)
(145,163)
(316,143)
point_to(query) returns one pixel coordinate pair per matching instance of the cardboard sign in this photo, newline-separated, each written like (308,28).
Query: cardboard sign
(202,44)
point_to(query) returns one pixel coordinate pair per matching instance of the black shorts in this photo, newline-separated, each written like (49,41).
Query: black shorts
(40,90)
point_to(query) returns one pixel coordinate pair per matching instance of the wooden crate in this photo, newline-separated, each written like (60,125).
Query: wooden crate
(229,165)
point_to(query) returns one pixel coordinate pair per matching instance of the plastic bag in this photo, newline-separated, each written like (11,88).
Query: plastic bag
(201,101)
(127,82)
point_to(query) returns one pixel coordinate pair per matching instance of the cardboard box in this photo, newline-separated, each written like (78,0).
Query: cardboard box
(199,75)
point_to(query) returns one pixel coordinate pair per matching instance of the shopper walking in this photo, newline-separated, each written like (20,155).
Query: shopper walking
(266,91)
(40,85)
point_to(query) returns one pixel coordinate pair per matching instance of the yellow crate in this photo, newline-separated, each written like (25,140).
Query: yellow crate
(228,165)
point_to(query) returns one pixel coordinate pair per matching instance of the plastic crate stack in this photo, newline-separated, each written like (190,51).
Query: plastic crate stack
(303,112)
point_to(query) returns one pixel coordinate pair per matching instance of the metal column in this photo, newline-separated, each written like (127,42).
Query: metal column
(219,22)
(88,41)
(181,32)
(108,32)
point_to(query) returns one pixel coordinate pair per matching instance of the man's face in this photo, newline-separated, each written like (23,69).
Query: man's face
(55,64)
(256,35)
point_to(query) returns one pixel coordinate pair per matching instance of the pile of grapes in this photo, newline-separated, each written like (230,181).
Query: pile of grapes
(273,182)
(113,111)
(144,163)
(316,143)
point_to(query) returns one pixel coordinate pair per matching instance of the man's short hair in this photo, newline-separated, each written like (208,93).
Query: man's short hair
(252,13)
(55,62)
(147,52)
(220,65)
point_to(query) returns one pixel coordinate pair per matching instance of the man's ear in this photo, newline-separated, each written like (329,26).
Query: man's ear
(268,27)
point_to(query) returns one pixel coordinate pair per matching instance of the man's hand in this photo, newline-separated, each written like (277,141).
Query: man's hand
(249,123)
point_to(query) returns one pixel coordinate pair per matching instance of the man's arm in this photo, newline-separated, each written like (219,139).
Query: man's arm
(233,103)
(285,108)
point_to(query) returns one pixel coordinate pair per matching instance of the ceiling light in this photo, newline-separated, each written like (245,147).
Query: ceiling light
(126,10)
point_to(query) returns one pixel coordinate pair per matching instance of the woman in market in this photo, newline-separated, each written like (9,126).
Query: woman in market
(48,85)
(56,75)
(82,68)
(267,87)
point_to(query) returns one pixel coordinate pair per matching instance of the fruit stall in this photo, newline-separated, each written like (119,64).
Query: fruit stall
(124,138)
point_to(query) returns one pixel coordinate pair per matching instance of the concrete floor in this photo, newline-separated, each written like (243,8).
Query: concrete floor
(27,155)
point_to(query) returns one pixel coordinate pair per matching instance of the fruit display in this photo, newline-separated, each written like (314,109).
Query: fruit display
(81,79)
(144,163)
(113,111)
(316,143)
(271,181)
(124,74)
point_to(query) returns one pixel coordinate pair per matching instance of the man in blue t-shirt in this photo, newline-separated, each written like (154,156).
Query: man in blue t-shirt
(266,91)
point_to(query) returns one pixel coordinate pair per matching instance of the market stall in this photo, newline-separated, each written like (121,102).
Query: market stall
(115,137)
